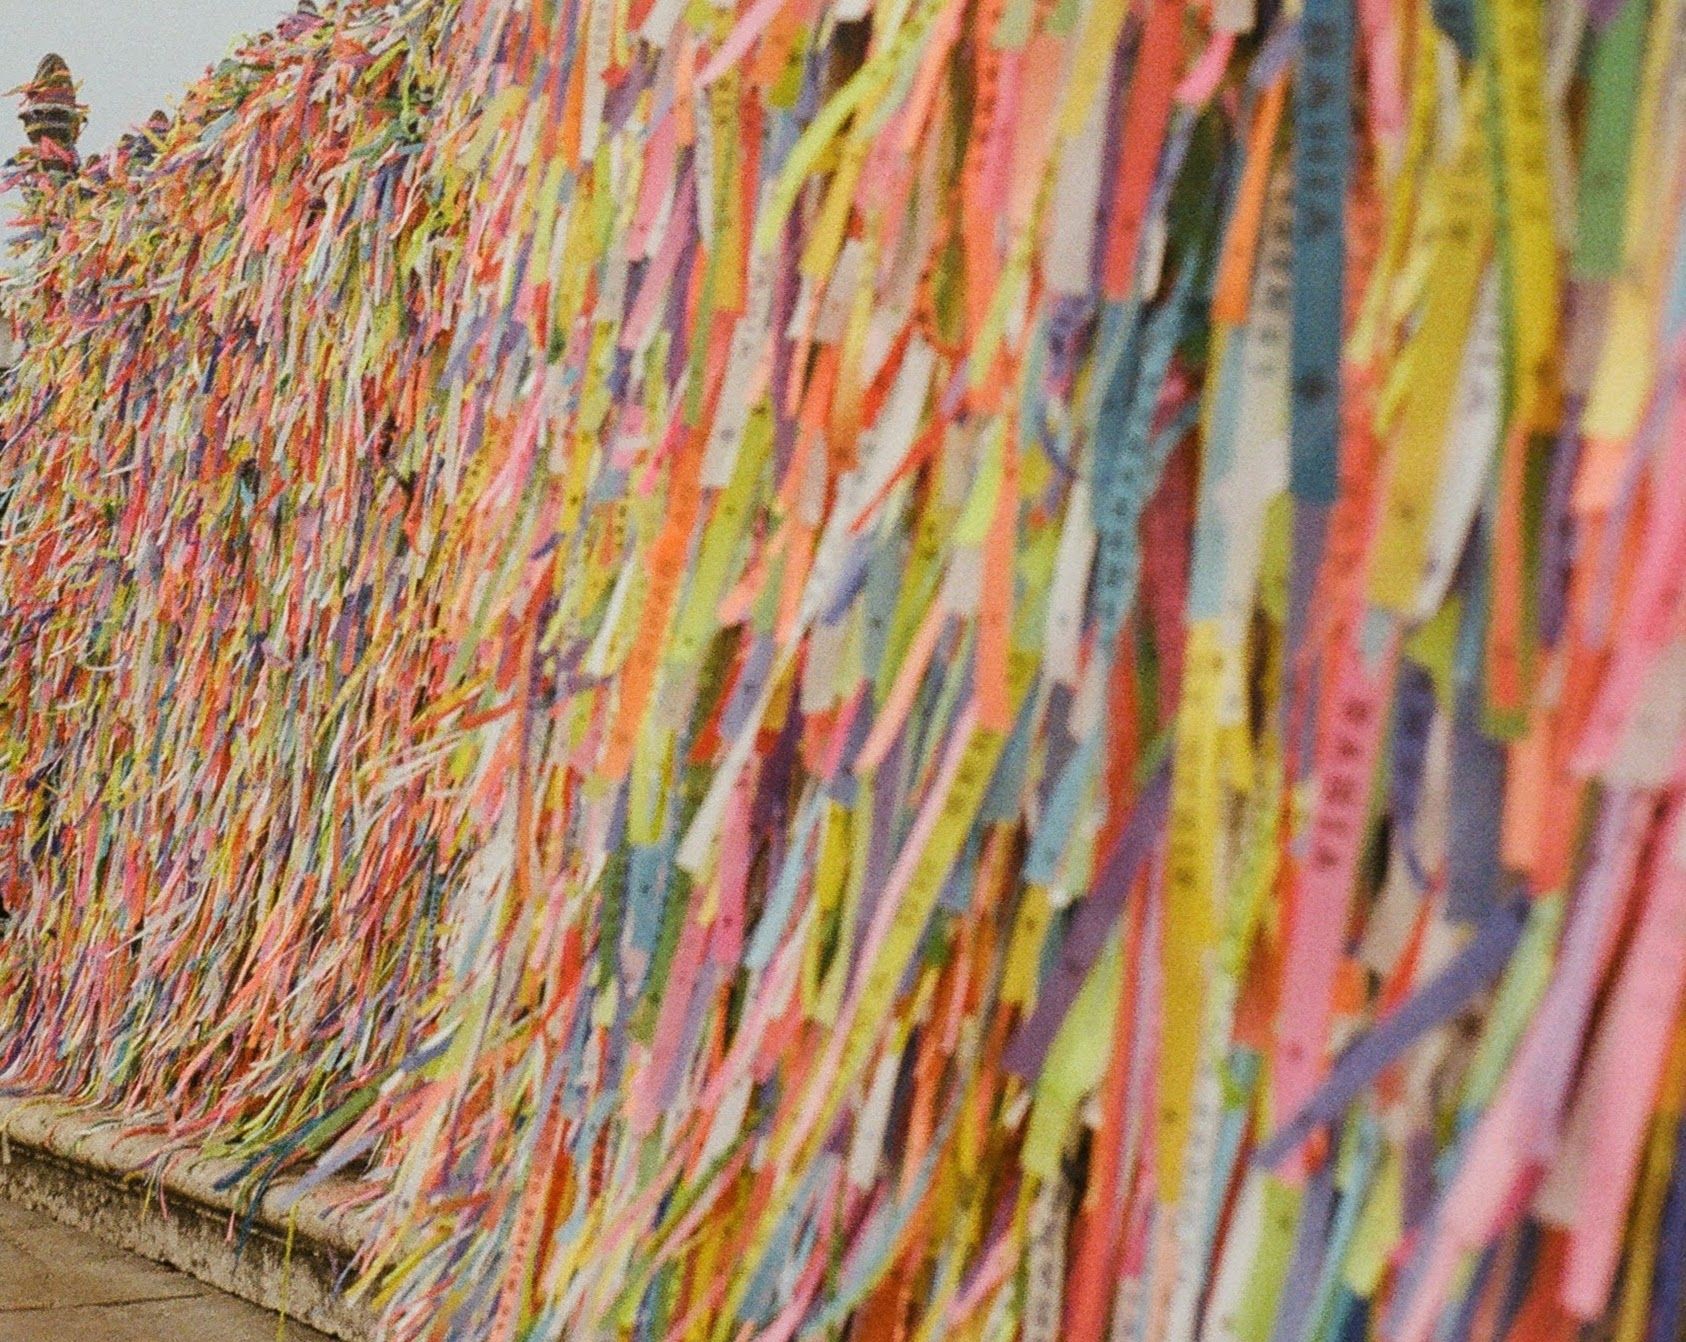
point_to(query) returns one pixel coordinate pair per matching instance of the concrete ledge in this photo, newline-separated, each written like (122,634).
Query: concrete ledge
(150,1197)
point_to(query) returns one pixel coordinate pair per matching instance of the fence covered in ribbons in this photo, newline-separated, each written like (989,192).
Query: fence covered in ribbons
(938,668)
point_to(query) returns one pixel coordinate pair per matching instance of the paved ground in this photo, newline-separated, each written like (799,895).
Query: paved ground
(59,1285)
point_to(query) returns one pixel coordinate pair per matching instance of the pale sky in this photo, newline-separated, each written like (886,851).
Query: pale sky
(129,56)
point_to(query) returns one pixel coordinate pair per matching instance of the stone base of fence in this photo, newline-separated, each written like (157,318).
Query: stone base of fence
(87,1169)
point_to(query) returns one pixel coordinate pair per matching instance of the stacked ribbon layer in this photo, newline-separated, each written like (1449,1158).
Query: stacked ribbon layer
(939,668)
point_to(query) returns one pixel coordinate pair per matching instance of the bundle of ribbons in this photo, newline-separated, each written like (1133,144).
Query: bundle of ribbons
(879,669)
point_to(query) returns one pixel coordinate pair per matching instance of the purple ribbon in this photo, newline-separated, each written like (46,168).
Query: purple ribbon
(1469,973)
(1090,927)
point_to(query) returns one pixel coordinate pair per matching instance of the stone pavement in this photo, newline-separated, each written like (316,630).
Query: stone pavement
(59,1285)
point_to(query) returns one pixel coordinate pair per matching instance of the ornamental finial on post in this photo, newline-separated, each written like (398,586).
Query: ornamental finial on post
(52,117)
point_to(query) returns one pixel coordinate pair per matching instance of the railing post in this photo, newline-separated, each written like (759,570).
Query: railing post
(52,117)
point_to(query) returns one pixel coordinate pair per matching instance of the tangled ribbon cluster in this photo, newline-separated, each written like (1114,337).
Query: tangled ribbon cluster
(879,669)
